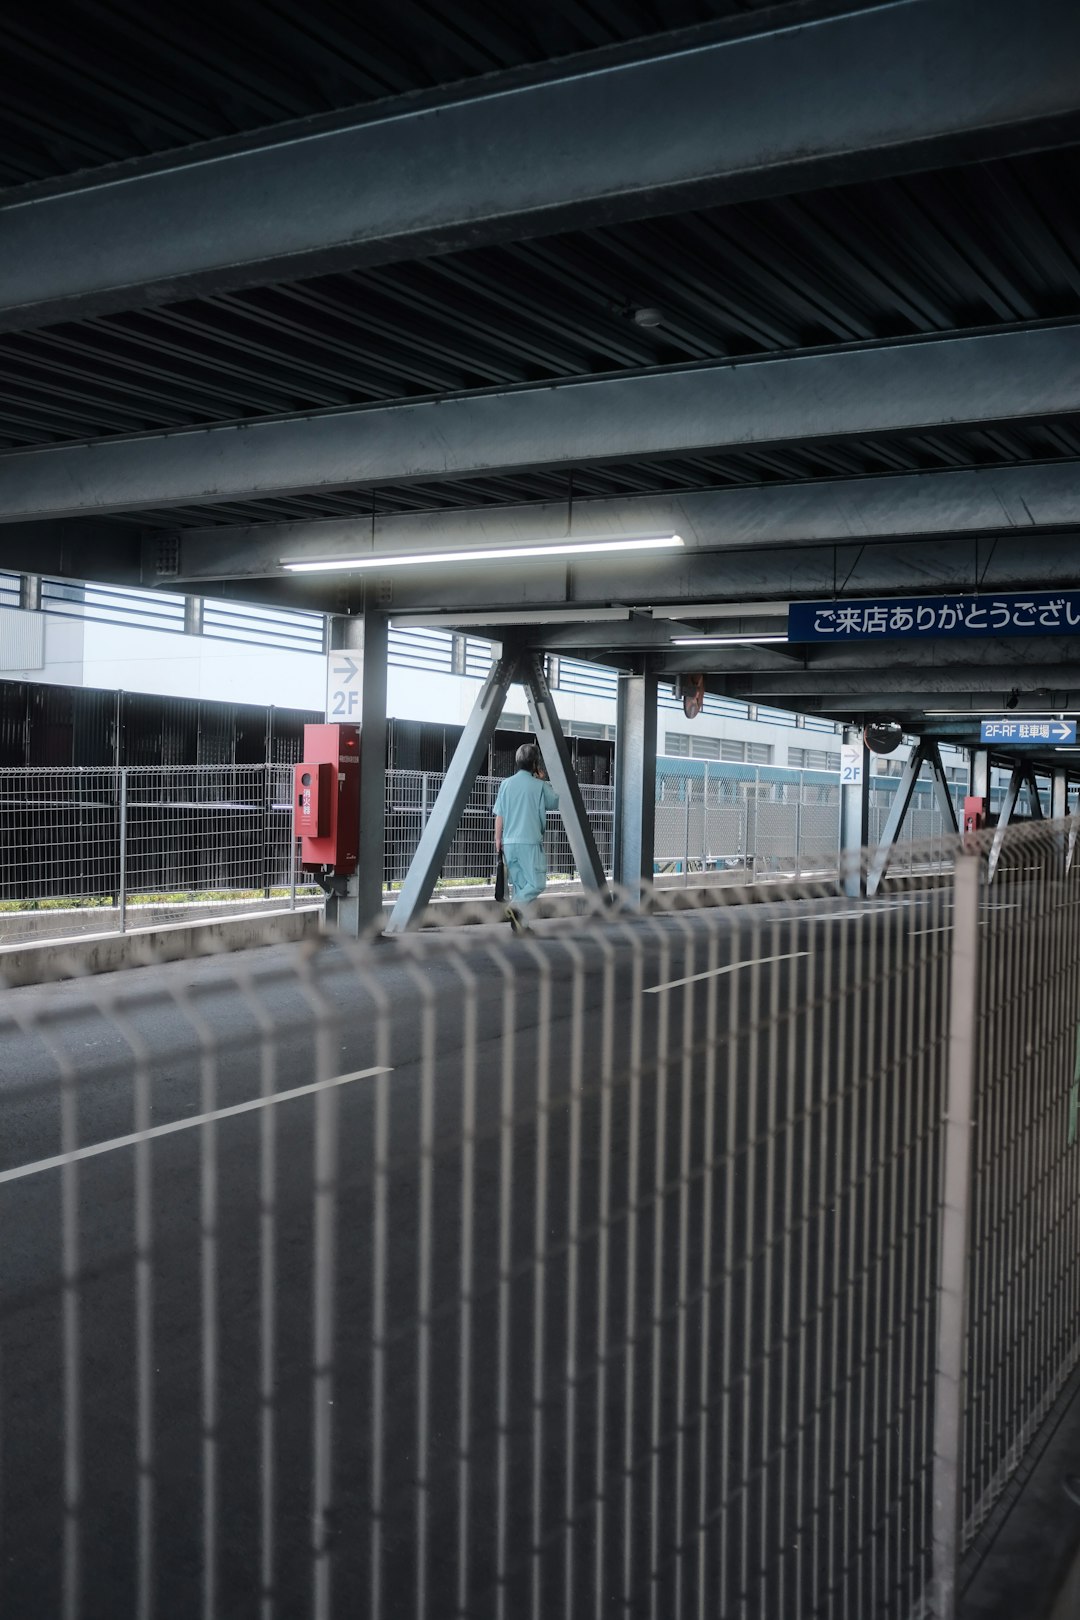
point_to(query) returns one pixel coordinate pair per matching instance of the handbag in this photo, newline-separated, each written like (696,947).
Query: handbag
(500,875)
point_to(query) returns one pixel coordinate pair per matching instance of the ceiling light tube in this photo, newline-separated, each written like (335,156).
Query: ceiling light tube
(724,641)
(988,714)
(557,548)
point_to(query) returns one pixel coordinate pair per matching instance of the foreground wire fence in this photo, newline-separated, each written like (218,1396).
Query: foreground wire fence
(660,1264)
(98,849)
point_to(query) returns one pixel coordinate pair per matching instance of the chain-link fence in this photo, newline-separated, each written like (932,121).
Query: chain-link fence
(715,1261)
(746,821)
(105,848)
(411,796)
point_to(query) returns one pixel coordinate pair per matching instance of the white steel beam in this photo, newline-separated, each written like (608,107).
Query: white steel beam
(736,111)
(910,386)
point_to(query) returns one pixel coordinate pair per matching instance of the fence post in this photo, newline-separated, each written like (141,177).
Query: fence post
(122,897)
(798,832)
(688,788)
(267,872)
(953,1241)
(748,862)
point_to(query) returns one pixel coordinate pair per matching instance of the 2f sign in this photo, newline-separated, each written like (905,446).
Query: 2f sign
(342,687)
(851,764)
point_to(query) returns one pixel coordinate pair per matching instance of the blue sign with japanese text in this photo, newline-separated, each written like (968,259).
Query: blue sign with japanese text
(1031,729)
(1036,613)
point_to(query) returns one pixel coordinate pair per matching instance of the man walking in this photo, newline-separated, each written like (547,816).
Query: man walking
(521,811)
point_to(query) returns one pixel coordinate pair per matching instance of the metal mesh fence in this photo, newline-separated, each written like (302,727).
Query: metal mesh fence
(410,798)
(100,849)
(924,839)
(1024,1278)
(609,1271)
(746,821)
(96,849)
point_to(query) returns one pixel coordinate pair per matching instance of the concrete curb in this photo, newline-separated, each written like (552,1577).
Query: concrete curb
(82,955)
(86,954)
(692,897)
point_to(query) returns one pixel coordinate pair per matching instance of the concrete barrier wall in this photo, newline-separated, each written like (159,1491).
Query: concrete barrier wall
(47,962)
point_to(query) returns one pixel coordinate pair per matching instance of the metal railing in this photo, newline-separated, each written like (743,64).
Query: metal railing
(104,849)
(717,1260)
(101,848)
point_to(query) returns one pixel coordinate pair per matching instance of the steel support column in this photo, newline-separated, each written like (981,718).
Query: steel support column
(446,812)
(1034,796)
(898,810)
(932,756)
(1012,793)
(549,735)
(1059,809)
(854,820)
(364,638)
(979,774)
(635,783)
(1059,795)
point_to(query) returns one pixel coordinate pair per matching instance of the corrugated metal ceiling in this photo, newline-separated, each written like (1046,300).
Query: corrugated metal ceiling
(88,83)
(983,246)
(91,82)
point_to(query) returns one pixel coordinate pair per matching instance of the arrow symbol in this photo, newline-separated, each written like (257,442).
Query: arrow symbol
(1061,731)
(350,670)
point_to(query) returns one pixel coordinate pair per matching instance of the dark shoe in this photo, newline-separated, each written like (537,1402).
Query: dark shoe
(517,926)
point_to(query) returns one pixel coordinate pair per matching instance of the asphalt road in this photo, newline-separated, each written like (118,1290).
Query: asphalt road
(567,1310)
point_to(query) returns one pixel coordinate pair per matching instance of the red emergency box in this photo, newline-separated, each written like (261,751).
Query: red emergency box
(326,798)
(974,813)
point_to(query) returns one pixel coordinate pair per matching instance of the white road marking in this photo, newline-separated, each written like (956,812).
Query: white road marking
(714,973)
(836,916)
(869,910)
(946,928)
(37,1165)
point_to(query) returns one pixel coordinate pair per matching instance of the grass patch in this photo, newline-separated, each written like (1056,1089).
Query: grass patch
(104,902)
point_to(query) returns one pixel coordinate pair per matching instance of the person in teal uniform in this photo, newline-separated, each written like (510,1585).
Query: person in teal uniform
(521,811)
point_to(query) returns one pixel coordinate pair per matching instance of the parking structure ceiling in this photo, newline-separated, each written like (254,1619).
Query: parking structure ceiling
(800,282)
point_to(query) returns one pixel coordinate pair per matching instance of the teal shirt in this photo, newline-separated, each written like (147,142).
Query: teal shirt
(523,802)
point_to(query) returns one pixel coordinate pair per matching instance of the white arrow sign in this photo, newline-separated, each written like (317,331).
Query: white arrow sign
(343,687)
(1030,730)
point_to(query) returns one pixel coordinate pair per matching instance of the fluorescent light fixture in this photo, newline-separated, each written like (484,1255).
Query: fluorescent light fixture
(557,548)
(451,620)
(982,714)
(723,641)
(721,610)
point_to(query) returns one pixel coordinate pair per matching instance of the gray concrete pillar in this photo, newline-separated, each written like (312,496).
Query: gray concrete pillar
(635,782)
(1059,794)
(854,813)
(357,664)
(980,774)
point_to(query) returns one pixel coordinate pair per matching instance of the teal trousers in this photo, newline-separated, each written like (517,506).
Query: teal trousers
(527,871)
